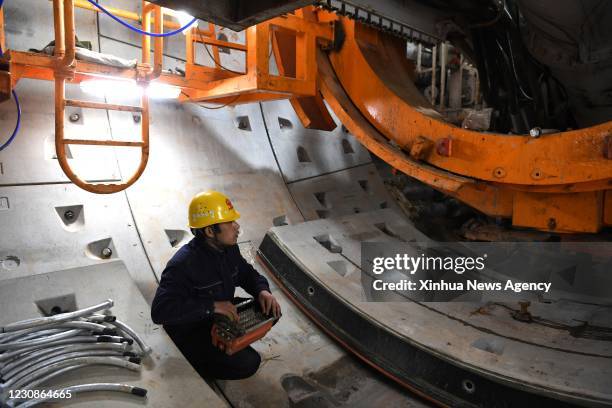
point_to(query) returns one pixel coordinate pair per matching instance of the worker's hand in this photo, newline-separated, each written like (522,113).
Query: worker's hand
(228,309)
(269,304)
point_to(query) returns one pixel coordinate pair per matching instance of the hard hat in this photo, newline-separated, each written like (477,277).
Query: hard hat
(211,207)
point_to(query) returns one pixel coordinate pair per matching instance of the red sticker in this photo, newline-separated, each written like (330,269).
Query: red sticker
(229,204)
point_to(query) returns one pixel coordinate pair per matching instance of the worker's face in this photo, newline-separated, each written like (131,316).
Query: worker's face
(229,233)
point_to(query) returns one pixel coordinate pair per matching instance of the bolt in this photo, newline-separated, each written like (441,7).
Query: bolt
(74,117)
(523,315)
(107,253)
(552,223)
(69,215)
(136,118)
(242,125)
(535,132)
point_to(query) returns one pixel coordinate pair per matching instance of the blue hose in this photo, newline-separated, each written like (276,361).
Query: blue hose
(138,30)
(17,125)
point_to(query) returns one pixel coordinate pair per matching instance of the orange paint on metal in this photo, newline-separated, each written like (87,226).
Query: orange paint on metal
(2,38)
(65,68)
(372,68)
(578,212)
(310,109)
(485,197)
(607,218)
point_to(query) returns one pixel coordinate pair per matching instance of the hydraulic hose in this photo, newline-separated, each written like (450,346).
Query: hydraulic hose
(138,30)
(76,339)
(21,372)
(113,361)
(141,392)
(39,355)
(128,332)
(18,124)
(59,318)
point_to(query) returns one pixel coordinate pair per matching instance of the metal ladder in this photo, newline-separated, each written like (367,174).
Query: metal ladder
(63,11)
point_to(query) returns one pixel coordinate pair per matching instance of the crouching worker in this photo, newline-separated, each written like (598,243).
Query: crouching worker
(200,280)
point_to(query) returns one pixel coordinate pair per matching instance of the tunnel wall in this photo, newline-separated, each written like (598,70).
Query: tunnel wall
(259,154)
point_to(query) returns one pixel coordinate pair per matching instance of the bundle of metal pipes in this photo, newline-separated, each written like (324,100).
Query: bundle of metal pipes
(34,351)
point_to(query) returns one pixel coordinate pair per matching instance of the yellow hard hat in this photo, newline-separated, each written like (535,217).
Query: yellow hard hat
(211,207)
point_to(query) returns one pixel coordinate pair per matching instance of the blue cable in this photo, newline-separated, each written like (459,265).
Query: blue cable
(18,124)
(138,30)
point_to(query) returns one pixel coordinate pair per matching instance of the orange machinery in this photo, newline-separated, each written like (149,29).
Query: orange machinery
(560,182)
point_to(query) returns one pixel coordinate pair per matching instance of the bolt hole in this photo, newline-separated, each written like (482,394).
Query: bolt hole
(56,310)
(468,386)
(311,291)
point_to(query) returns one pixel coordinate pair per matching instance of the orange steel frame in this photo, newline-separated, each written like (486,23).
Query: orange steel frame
(560,182)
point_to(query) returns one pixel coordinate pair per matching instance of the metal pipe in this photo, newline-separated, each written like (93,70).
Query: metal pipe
(39,341)
(30,334)
(54,374)
(37,355)
(146,40)
(58,19)
(20,372)
(70,34)
(39,330)
(113,361)
(141,392)
(434,51)
(63,317)
(76,339)
(443,53)
(158,44)
(33,385)
(127,330)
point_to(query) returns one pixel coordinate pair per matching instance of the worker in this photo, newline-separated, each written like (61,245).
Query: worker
(200,280)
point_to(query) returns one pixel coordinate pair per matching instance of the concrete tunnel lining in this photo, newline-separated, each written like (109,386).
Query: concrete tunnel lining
(192,149)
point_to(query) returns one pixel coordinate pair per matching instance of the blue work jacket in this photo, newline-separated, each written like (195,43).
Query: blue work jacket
(196,277)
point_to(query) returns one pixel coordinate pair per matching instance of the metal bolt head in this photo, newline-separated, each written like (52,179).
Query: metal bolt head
(535,132)
(106,253)
(552,223)
(69,215)
(136,118)
(74,117)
